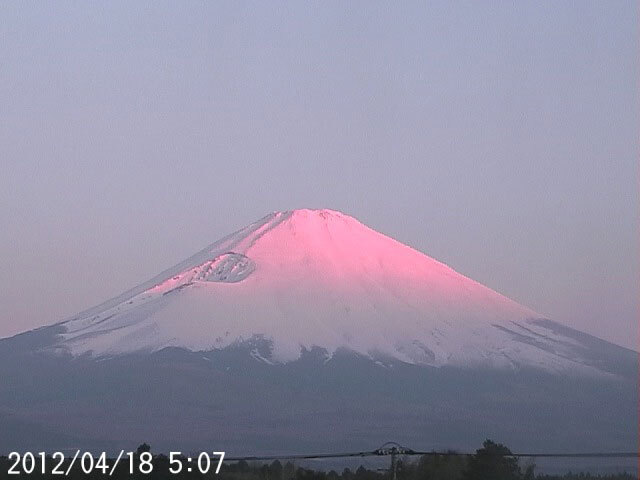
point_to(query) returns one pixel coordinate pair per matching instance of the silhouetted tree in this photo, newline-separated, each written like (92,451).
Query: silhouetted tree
(440,467)
(275,470)
(493,462)
(288,473)
(143,448)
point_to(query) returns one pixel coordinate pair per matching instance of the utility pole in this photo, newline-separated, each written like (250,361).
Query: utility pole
(394,465)
(393,449)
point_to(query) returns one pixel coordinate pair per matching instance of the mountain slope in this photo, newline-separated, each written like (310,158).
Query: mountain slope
(319,278)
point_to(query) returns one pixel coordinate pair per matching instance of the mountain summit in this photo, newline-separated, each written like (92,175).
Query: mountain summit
(307,279)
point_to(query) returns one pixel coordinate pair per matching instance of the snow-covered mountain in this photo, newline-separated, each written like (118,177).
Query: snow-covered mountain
(319,278)
(308,331)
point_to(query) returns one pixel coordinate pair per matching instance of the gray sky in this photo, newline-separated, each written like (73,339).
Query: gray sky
(498,137)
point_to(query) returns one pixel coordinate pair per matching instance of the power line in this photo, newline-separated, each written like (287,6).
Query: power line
(393,449)
(310,456)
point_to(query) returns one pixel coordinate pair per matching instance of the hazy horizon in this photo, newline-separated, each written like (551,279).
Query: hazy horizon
(500,139)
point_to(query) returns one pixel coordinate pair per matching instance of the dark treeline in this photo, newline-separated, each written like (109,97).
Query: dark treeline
(491,462)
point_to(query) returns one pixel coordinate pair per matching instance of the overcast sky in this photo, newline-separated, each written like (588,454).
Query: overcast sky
(498,137)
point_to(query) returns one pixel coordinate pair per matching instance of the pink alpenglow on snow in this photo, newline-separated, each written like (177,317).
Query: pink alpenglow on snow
(316,278)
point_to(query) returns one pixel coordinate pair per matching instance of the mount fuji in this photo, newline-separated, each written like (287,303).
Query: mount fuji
(307,329)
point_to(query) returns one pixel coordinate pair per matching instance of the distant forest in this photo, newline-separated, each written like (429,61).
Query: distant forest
(491,462)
